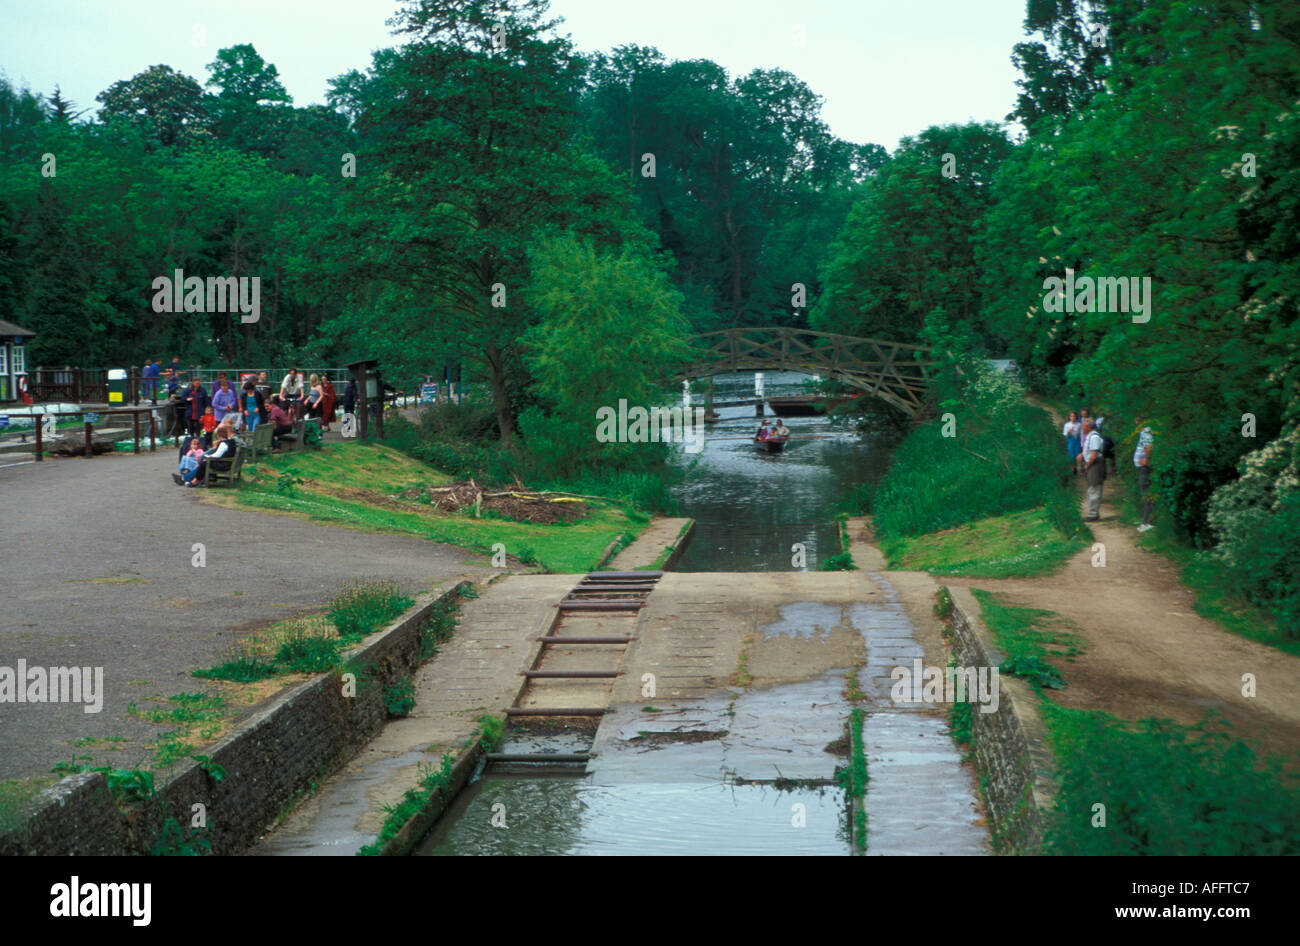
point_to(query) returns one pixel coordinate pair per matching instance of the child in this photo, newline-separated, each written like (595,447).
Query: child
(189,464)
(209,425)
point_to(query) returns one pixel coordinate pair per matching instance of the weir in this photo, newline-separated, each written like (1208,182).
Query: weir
(698,711)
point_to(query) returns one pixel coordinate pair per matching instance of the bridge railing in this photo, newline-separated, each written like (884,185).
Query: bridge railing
(897,372)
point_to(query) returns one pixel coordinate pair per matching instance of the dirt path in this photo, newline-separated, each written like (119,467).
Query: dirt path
(1148,653)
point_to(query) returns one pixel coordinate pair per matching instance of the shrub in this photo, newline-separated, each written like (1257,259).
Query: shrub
(1168,790)
(399,699)
(1256,519)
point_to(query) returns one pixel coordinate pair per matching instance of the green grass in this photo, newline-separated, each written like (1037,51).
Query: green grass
(14,796)
(559,548)
(1030,637)
(190,713)
(1167,790)
(307,645)
(843,560)
(1021,544)
(414,800)
(853,778)
(366,606)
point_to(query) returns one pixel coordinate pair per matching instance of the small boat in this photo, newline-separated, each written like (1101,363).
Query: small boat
(773,445)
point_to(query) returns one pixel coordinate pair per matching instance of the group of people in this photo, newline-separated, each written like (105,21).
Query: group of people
(772,430)
(207,422)
(1091,448)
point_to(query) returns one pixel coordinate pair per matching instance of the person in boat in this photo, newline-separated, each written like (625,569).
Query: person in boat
(780,431)
(765,431)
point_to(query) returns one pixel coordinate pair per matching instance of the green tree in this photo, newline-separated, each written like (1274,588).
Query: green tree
(467,155)
(166,104)
(611,328)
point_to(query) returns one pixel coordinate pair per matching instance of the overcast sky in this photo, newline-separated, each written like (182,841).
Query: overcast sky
(886,68)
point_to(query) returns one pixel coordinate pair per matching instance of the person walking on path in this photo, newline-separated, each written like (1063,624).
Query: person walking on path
(1071,431)
(312,402)
(1094,469)
(1142,460)
(148,381)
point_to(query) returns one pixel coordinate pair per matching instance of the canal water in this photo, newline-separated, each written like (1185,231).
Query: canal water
(741,772)
(751,507)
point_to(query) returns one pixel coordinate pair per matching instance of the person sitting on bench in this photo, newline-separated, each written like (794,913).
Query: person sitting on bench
(280,421)
(221,456)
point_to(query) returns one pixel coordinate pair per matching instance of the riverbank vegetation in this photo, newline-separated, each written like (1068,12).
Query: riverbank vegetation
(1167,788)
(979,490)
(1163,157)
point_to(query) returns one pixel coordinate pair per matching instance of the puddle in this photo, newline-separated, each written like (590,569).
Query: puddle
(810,620)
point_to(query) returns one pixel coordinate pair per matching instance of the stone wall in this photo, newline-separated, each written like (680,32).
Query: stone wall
(270,758)
(1009,747)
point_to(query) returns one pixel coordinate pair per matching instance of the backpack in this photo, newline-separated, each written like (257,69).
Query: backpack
(1107,447)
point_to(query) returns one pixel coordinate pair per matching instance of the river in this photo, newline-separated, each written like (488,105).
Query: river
(751,507)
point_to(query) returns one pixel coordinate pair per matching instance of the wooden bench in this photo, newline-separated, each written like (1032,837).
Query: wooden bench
(261,446)
(293,441)
(227,477)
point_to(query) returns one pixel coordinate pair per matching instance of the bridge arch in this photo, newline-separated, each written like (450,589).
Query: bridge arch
(895,372)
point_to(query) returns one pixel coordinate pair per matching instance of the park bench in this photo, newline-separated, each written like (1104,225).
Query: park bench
(212,476)
(261,445)
(293,441)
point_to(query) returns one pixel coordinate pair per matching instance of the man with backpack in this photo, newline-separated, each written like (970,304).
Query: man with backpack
(1108,447)
(1094,468)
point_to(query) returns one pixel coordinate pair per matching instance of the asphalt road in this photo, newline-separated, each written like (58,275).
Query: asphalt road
(96,571)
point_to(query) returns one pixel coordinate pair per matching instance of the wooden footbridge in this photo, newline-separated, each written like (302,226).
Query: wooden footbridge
(895,372)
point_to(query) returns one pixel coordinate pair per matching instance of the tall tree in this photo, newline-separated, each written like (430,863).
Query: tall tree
(166,104)
(466,156)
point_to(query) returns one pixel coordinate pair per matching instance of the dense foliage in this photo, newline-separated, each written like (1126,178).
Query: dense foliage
(1161,142)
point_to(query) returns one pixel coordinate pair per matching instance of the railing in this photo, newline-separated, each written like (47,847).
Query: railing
(896,372)
(89,432)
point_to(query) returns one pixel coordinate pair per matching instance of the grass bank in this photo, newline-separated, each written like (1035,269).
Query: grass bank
(980,490)
(1163,788)
(364,486)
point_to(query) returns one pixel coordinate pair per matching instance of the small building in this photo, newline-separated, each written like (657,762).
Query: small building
(13,358)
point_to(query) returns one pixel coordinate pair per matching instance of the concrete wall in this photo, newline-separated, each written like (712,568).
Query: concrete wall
(1009,747)
(270,758)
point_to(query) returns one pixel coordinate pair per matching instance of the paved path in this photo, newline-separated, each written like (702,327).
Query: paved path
(648,546)
(476,672)
(96,569)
